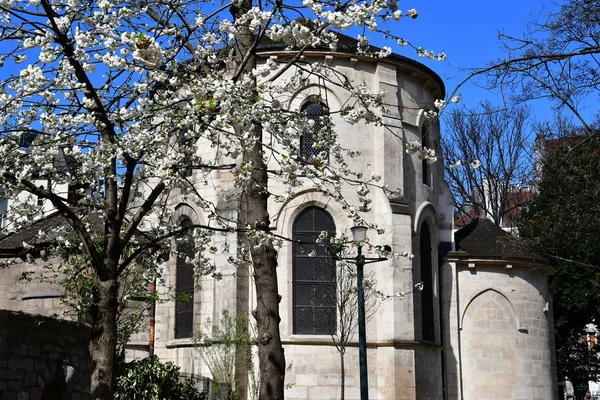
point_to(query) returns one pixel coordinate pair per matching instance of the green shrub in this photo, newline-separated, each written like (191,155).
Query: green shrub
(150,379)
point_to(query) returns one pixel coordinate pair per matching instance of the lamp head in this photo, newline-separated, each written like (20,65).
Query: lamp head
(359,233)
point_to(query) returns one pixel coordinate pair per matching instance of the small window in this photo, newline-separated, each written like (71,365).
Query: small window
(314,275)
(184,285)
(314,111)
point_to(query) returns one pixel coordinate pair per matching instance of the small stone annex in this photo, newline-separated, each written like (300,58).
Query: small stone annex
(480,328)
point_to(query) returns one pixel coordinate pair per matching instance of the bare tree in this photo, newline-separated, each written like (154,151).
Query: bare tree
(489,158)
(346,303)
(556,59)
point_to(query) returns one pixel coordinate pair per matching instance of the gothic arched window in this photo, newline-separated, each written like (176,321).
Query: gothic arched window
(314,275)
(315,111)
(184,285)
(427,316)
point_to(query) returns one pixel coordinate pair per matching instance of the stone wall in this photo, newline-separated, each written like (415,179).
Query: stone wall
(30,295)
(32,350)
(498,331)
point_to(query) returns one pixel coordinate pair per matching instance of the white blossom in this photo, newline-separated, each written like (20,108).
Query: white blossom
(456,164)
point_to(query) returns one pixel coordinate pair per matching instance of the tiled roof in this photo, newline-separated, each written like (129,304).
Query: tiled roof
(13,243)
(466,218)
(483,238)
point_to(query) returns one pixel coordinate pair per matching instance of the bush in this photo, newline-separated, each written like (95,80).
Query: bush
(150,379)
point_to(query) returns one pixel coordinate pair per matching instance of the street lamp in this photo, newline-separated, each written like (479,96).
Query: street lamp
(359,233)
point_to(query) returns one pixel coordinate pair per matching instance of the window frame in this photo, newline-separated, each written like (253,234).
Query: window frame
(306,151)
(184,310)
(323,289)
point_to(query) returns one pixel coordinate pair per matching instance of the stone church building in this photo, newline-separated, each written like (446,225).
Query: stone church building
(482,326)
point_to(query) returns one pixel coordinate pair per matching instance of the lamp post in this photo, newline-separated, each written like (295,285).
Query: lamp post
(359,234)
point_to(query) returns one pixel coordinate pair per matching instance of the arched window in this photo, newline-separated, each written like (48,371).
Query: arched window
(314,111)
(427,319)
(184,285)
(314,275)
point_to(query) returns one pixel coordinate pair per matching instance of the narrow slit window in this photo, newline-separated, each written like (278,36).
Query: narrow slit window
(184,285)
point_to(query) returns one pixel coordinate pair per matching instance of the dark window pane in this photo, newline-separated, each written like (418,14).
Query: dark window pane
(304,294)
(185,304)
(427,315)
(303,269)
(184,325)
(303,320)
(314,111)
(185,277)
(314,274)
(184,286)
(325,321)
(324,295)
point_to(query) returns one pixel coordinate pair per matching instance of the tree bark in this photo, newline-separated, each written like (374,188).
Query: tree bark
(103,343)
(253,213)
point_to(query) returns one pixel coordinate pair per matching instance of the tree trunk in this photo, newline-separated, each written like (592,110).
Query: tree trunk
(270,351)
(104,338)
(253,213)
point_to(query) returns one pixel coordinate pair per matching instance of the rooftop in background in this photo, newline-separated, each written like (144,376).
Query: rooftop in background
(512,210)
(14,243)
(482,238)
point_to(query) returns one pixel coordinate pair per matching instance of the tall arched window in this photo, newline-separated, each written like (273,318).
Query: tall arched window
(184,285)
(427,319)
(314,275)
(314,111)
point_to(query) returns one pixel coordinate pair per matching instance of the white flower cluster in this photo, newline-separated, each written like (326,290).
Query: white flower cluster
(428,155)
(415,147)
(298,35)
(440,105)
(166,96)
(147,50)
(475,164)
(421,52)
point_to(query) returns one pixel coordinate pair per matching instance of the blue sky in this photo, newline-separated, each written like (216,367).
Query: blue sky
(467,30)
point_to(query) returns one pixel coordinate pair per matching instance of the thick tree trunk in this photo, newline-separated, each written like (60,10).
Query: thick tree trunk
(270,351)
(253,213)
(104,338)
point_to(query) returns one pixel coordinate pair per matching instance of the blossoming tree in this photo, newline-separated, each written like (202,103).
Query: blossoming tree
(111,102)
